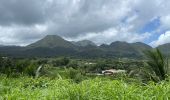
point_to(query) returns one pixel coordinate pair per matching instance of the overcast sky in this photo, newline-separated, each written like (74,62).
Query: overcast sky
(102,21)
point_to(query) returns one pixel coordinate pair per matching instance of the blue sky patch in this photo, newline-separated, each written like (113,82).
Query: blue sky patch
(151,26)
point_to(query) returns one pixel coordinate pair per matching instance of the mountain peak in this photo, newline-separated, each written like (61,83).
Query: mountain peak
(52,36)
(84,43)
(51,41)
(119,43)
(141,45)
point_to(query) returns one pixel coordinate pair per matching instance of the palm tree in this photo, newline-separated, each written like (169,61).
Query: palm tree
(158,64)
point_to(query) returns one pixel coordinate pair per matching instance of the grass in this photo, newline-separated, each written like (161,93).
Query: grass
(26,88)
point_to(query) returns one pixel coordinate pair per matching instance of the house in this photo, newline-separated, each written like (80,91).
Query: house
(112,71)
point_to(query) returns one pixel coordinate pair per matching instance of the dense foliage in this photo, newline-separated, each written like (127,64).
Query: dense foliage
(94,89)
(83,79)
(12,67)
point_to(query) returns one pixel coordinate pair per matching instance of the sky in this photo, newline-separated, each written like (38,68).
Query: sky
(102,21)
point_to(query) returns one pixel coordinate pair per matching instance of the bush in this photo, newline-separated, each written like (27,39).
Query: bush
(60,62)
(20,65)
(75,75)
(7,66)
(73,64)
(31,69)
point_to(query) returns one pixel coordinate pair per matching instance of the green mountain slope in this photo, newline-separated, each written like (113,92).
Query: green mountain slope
(124,49)
(53,45)
(141,47)
(51,41)
(165,48)
(84,43)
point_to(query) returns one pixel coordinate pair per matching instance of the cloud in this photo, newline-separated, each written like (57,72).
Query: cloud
(111,35)
(89,16)
(165,22)
(21,12)
(163,38)
(102,21)
(17,35)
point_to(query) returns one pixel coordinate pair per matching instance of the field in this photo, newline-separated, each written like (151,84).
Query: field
(83,79)
(25,88)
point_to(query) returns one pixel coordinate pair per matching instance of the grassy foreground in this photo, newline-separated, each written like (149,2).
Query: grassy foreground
(94,89)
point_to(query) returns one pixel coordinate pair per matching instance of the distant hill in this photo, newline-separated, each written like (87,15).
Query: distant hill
(165,48)
(53,45)
(11,51)
(121,46)
(52,41)
(84,43)
(141,47)
(124,49)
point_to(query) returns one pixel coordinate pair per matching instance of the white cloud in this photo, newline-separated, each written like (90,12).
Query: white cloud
(165,22)
(111,35)
(18,35)
(163,38)
(102,21)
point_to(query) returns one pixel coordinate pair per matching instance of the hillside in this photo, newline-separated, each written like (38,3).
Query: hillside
(124,49)
(165,48)
(83,43)
(51,41)
(141,47)
(53,45)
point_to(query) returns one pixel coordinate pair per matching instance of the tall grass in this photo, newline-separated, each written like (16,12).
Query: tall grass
(25,88)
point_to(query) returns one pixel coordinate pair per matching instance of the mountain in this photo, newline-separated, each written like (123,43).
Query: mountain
(11,51)
(165,48)
(124,49)
(141,47)
(53,45)
(121,46)
(84,43)
(52,41)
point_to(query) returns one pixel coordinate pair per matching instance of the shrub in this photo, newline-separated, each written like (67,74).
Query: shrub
(75,75)
(73,64)
(31,69)
(7,66)
(61,62)
(20,65)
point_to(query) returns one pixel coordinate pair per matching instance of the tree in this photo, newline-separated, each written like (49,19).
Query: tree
(158,65)
(61,62)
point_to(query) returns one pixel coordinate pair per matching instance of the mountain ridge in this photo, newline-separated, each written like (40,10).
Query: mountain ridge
(84,43)
(165,48)
(53,45)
